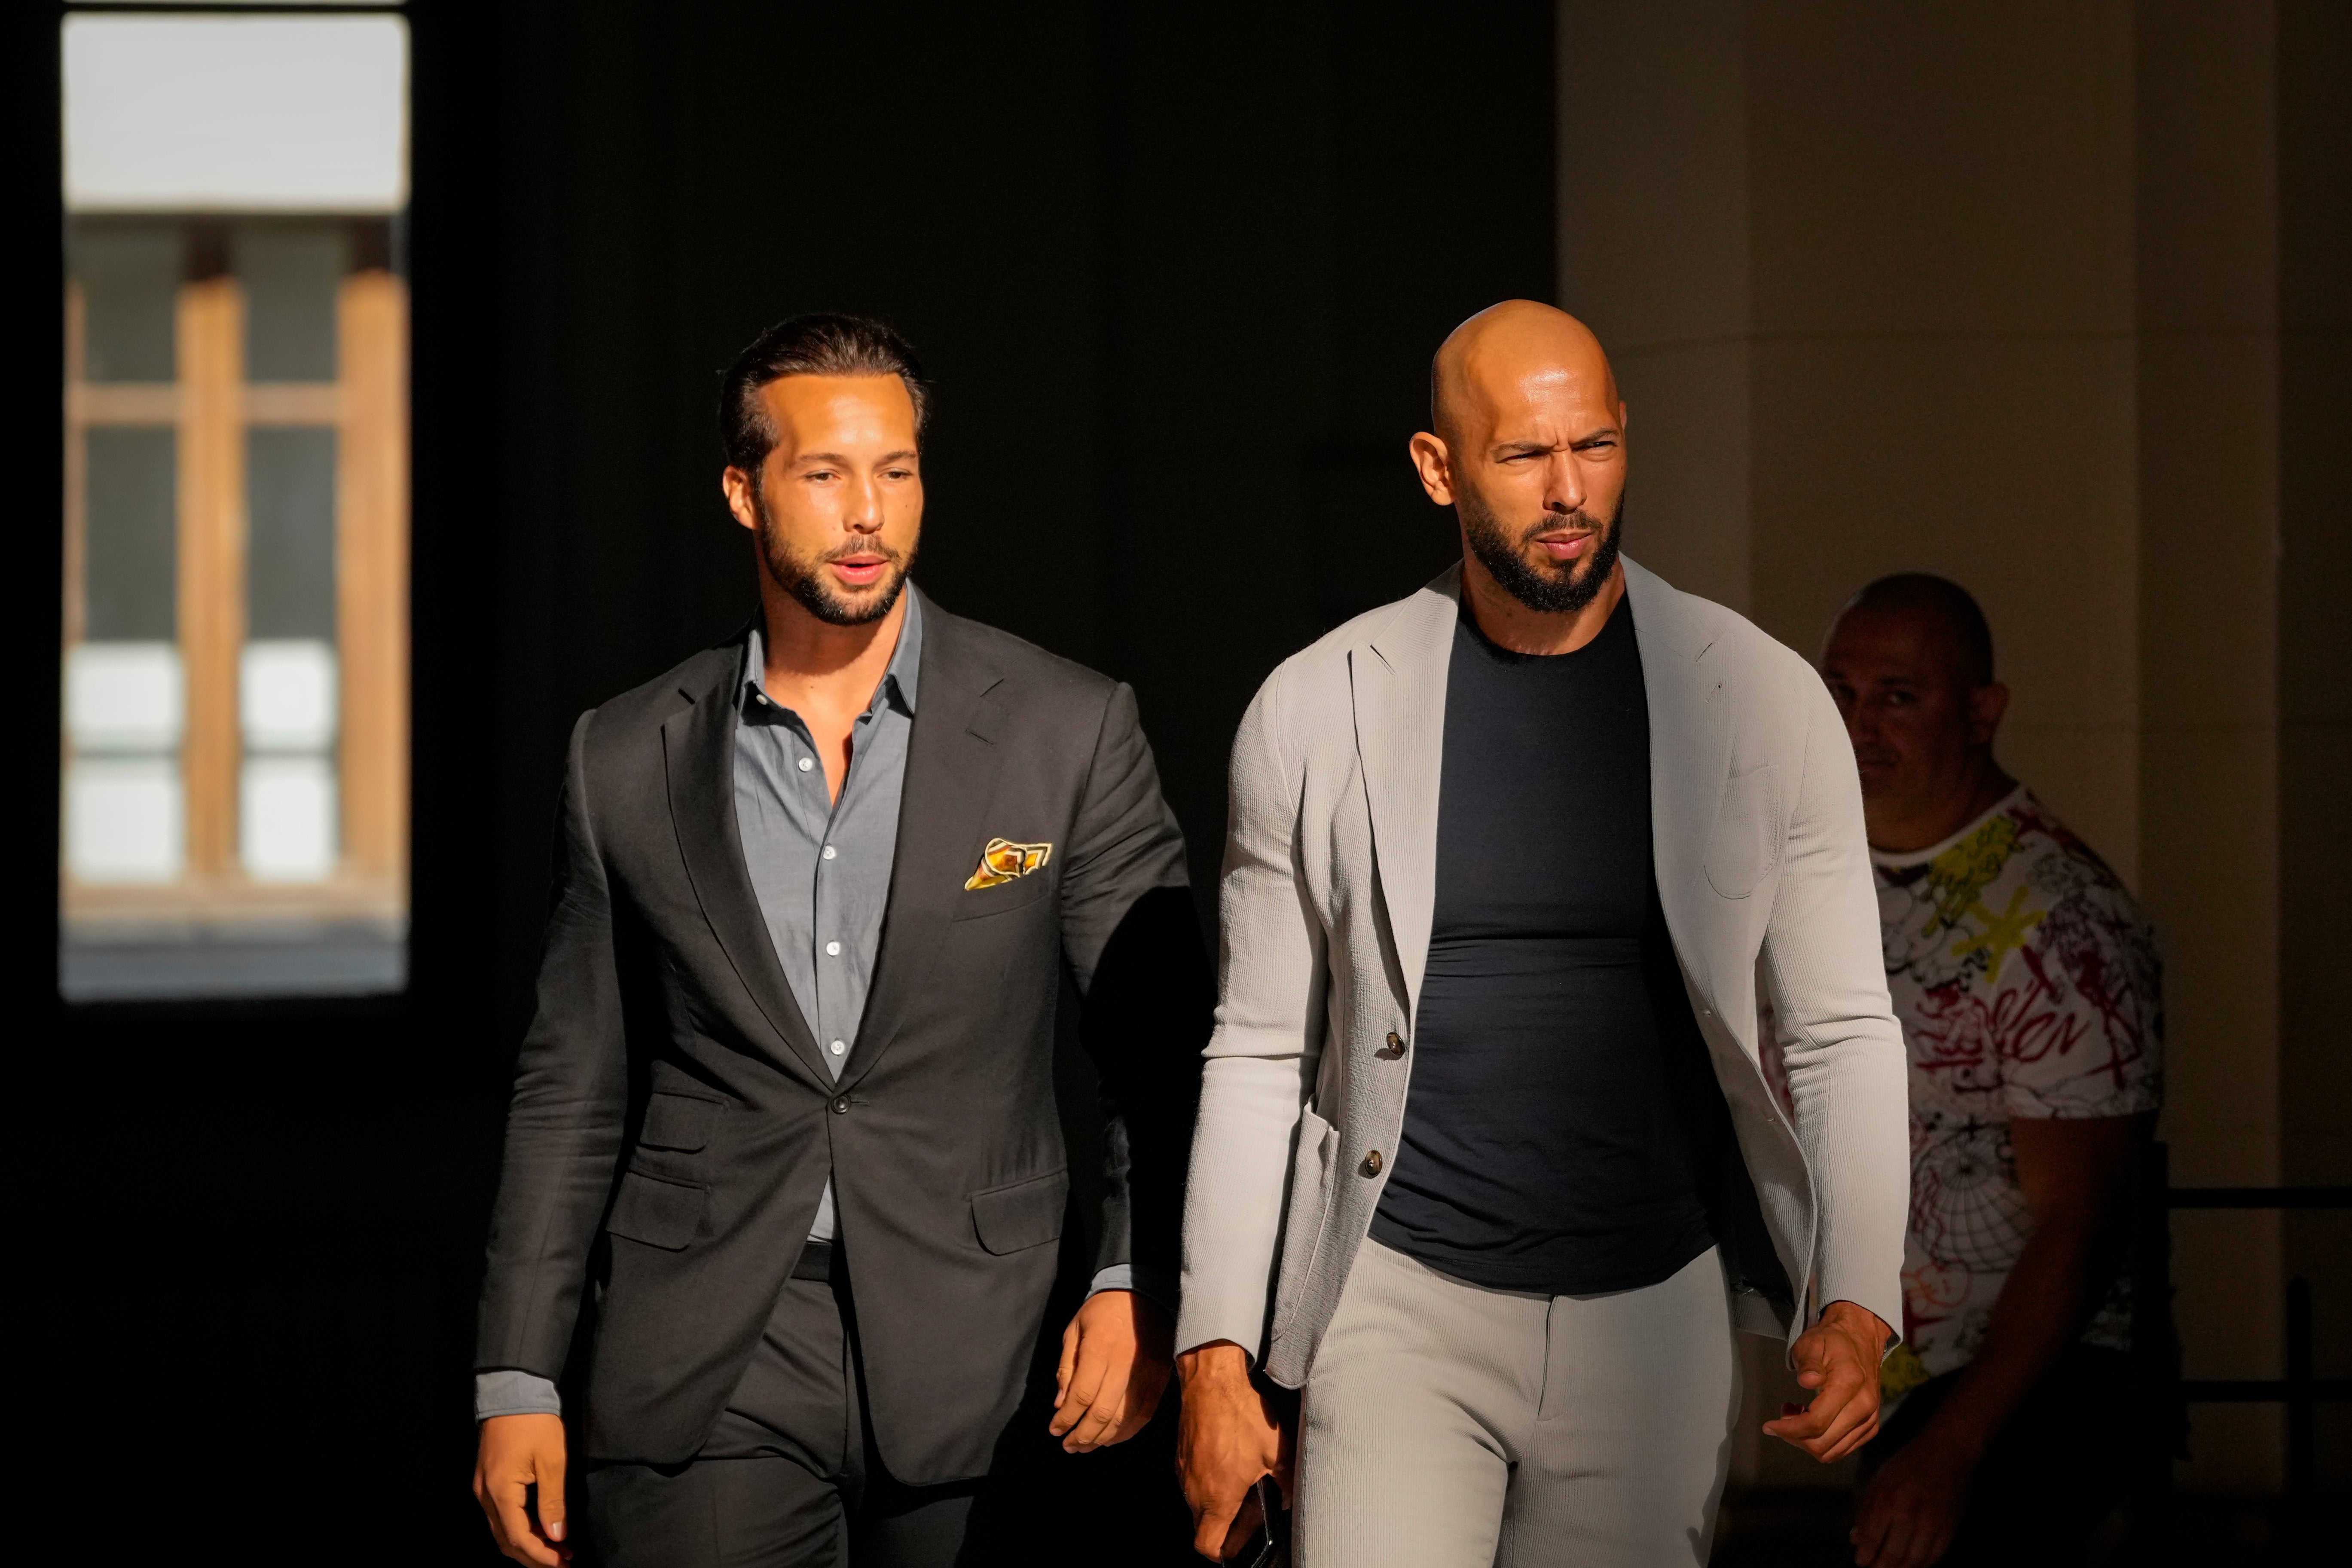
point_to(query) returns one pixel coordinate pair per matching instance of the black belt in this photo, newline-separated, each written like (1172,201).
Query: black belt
(815,1262)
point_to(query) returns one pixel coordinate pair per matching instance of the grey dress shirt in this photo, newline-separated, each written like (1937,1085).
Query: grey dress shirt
(820,868)
(821,865)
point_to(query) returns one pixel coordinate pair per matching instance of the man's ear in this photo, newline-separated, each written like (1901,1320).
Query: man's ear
(1986,706)
(742,499)
(1434,464)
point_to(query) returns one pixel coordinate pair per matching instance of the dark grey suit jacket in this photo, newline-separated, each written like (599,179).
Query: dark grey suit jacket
(673,1125)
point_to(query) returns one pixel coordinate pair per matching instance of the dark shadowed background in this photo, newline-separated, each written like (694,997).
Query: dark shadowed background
(1177,276)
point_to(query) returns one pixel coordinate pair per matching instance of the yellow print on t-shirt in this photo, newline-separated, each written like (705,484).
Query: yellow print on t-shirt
(1965,870)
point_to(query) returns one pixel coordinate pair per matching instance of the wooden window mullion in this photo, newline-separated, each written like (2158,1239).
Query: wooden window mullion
(212,537)
(372,576)
(77,551)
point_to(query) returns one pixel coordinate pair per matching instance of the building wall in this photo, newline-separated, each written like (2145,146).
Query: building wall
(1995,291)
(2208,652)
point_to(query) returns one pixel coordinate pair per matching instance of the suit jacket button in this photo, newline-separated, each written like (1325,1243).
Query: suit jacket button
(1372,1163)
(1396,1042)
(840,1106)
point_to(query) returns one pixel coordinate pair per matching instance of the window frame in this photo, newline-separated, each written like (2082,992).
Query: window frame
(329,1037)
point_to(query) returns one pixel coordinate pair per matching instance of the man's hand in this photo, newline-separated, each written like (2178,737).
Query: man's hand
(1838,1359)
(1906,1515)
(1228,1439)
(1114,1367)
(518,1453)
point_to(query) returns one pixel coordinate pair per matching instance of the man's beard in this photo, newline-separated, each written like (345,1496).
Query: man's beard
(1558,593)
(807,580)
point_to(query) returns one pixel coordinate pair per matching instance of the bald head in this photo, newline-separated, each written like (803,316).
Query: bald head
(1909,662)
(1939,616)
(1527,447)
(1506,355)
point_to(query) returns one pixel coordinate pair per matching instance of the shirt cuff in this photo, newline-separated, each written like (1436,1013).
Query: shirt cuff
(507,1391)
(1147,1283)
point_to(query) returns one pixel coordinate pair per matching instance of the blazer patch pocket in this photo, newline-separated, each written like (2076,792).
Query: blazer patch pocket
(661,1214)
(680,1121)
(1022,1215)
(1746,845)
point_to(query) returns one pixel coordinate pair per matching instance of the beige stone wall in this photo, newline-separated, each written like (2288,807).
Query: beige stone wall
(2208,319)
(2315,666)
(1994,291)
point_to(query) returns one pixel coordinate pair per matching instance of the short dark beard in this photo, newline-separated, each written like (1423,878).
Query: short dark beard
(804,578)
(1562,593)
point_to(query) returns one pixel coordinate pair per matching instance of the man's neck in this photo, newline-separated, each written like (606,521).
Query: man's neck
(1508,624)
(1983,787)
(807,657)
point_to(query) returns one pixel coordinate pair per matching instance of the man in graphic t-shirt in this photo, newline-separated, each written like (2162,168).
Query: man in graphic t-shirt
(2029,989)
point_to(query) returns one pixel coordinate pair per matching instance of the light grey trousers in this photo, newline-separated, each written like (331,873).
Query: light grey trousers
(1448,1426)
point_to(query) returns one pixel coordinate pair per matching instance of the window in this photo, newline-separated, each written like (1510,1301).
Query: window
(235,667)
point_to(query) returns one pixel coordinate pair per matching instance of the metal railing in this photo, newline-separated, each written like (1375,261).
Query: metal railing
(2166,1396)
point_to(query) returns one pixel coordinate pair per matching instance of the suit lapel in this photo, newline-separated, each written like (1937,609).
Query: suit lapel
(951,778)
(1690,756)
(698,747)
(1398,679)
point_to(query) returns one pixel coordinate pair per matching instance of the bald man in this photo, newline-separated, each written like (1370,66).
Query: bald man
(2031,996)
(1486,1166)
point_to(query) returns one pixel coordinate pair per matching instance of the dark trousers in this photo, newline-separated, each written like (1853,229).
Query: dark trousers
(2057,1469)
(789,1477)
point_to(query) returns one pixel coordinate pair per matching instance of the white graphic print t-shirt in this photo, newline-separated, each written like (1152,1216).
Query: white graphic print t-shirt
(2029,986)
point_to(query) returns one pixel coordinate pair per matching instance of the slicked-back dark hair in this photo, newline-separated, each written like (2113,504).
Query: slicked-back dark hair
(823,343)
(1923,593)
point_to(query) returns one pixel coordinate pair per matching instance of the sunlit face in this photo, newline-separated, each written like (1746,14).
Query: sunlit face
(838,505)
(1537,466)
(1915,719)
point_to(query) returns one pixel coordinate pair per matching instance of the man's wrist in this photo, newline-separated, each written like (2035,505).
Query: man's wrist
(1853,1318)
(1217,1362)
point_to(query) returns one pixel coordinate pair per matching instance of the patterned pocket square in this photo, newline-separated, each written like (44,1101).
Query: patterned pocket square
(1004,860)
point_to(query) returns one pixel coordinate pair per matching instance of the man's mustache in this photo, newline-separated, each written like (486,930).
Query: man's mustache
(1578,520)
(871,547)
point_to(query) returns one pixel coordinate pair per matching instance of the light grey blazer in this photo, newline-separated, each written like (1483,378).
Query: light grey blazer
(1329,878)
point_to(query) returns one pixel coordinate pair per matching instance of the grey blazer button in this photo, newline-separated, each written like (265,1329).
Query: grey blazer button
(840,1106)
(1372,1163)
(1396,1043)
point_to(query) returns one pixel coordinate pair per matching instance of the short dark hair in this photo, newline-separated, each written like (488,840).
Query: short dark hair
(823,343)
(1923,593)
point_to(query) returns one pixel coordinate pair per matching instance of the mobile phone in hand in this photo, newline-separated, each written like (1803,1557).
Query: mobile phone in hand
(1270,1546)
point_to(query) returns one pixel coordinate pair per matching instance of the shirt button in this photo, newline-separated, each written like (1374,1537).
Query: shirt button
(804,764)
(837,1048)
(832,950)
(840,1106)
(828,851)
(1372,1163)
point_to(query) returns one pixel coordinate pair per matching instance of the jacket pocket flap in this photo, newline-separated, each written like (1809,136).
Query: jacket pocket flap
(680,1121)
(1746,843)
(1022,1215)
(660,1214)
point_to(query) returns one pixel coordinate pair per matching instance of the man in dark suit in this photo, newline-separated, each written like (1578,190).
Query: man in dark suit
(785,1181)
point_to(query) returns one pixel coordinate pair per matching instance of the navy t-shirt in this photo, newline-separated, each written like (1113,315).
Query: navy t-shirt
(1562,1124)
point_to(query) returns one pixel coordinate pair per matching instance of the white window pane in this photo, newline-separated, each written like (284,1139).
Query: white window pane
(285,695)
(235,113)
(123,697)
(123,820)
(286,819)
